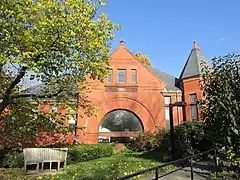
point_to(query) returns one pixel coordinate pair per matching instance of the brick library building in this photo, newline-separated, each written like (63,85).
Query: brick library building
(135,98)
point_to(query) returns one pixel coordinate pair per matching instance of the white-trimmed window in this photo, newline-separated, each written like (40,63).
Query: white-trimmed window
(134,76)
(167,101)
(121,75)
(110,76)
(53,108)
(193,105)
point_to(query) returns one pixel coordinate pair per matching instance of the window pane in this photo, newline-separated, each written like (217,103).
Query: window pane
(109,78)
(120,120)
(53,108)
(121,75)
(194,112)
(32,77)
(167,117)
(167,100)
(134,75)
(193,98)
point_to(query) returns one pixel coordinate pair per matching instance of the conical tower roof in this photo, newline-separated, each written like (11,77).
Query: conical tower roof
(195,63)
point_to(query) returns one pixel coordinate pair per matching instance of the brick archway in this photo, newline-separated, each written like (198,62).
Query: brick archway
(131,105)
(91,133)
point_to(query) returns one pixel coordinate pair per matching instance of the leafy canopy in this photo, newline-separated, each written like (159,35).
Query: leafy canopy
(143,59)
(64,41)
(221,104)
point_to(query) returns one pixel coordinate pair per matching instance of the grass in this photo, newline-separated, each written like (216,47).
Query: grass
(101,169)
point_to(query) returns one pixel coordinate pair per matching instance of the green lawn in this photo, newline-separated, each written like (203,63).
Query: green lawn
(100,169)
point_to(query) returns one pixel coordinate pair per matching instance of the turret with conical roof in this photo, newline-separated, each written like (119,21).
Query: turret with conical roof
(194,64)
(190,82)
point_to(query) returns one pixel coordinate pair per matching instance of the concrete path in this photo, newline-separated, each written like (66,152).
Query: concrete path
(181,175)
(200,173)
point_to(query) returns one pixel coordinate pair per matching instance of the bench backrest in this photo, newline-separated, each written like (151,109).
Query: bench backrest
(41,154)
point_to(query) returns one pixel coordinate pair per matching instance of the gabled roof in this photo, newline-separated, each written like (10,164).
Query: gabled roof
(34,90)
(169,80)
(194,64)
(123,53)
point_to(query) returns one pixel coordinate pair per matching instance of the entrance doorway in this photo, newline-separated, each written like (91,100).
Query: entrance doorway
(119,126)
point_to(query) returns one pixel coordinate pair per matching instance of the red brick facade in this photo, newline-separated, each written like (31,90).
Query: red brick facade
(147,100)
(191,86)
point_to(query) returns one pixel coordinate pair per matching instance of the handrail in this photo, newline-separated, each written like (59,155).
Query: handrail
(169,163)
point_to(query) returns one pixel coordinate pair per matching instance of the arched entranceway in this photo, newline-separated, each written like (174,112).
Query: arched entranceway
(120,126)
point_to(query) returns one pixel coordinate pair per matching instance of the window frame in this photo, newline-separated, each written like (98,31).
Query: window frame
(125,74)
(132,71)
(110,70)
(167,106)
(193,104)
(54,108)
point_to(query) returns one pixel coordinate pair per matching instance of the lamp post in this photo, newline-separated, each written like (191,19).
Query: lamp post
(178,104)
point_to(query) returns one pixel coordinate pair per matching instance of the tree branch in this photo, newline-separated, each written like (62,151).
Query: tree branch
(8,92)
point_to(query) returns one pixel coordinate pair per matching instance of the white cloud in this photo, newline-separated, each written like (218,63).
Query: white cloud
(221,39)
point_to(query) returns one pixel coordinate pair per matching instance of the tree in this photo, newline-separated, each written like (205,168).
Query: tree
(63,41)
(221,104)
(143,59)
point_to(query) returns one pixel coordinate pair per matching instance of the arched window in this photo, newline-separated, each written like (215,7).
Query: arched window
(120,120)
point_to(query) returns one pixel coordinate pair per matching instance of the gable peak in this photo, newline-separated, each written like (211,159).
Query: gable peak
(122,43)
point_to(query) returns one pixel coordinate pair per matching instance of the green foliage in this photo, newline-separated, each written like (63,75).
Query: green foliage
(13,159)
(64,42)
(234,159)
(143,59)
(144,142)
(221,107)
(190,137)
(86,152)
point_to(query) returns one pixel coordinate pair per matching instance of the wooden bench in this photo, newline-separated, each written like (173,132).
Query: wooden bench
(40,156)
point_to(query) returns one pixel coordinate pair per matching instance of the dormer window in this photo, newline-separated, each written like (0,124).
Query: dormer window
(122,75)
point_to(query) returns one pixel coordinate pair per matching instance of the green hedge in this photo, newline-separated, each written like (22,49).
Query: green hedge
(86,152)
(12,159)
(76,153)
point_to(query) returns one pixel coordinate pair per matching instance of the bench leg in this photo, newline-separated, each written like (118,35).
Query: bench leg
(42,166)
(65,163)
(58,168)
(25,167)
(50,164)
(37,169)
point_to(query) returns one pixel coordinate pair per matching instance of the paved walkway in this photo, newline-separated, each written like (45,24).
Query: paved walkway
(201,172)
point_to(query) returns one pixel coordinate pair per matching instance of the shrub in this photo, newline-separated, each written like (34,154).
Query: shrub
(86,152)
(13,159)
(190,137)
(144,142)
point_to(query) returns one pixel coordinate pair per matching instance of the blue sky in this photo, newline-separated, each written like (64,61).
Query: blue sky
(165,29)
